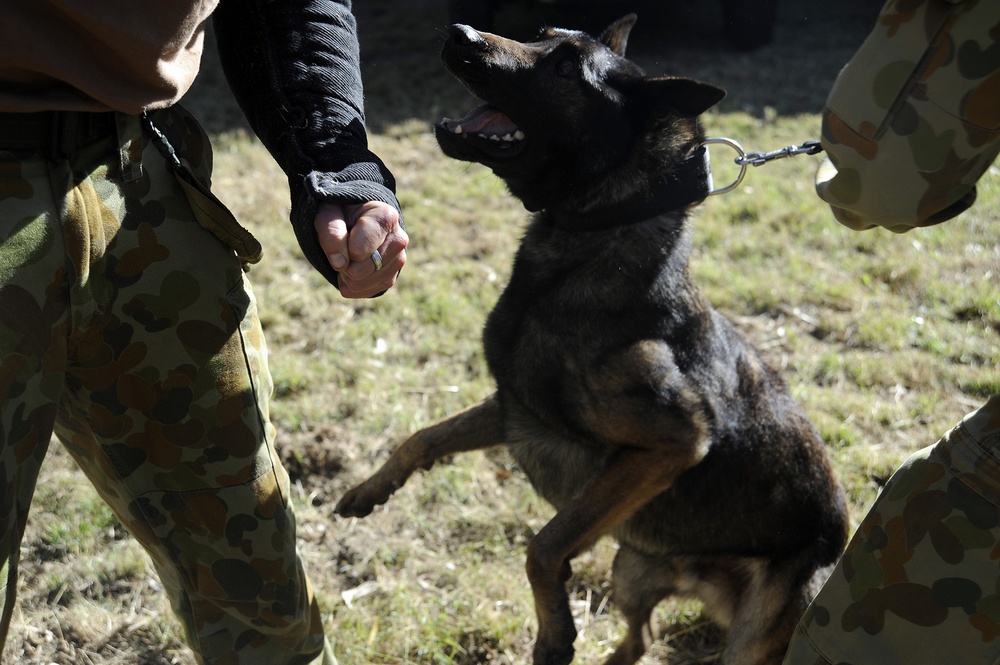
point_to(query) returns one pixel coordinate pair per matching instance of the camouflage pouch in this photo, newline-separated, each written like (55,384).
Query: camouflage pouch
(210,212)
(913,120)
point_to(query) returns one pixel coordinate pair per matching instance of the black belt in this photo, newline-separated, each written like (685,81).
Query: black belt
(59,133)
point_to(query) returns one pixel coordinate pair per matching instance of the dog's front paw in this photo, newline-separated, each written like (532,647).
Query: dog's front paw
(360,501)
(552,654)
(554,645)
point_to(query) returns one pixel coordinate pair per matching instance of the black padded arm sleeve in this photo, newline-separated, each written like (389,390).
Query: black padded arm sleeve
(293,66)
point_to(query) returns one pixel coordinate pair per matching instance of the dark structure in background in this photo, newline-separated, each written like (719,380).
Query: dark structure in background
(747,24)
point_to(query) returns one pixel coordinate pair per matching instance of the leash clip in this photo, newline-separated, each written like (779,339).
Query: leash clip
(761,158)
(745,159)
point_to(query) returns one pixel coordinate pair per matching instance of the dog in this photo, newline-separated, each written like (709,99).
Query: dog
(633,407)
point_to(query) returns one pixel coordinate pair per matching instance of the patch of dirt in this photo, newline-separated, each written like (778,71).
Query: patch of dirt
(314,456)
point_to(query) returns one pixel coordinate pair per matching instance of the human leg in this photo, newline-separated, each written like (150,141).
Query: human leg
(920,581)
(165,400)
(33,325)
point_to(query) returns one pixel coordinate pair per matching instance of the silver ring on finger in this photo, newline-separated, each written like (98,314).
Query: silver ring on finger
(377,260)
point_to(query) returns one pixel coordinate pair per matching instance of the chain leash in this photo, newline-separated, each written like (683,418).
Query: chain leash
(744,159)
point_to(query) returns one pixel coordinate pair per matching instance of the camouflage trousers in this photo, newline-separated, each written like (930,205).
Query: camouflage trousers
(131,333)
(919,584)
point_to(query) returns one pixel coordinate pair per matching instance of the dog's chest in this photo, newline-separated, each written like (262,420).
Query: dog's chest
(572,302)
(540,335)
(531,357)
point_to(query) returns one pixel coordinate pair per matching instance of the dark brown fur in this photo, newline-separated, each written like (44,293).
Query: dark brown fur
(632,406)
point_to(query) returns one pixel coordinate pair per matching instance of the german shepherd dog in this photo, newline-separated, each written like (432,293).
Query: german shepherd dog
(632,406)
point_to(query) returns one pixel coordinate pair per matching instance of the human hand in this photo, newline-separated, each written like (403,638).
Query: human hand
(351,234)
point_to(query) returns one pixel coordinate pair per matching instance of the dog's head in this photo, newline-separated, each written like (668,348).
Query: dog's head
(563,115)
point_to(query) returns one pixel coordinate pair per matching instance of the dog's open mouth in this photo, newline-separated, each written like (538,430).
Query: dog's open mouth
(489,129)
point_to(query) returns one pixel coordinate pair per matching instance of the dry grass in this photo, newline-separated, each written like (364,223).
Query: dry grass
(887,340)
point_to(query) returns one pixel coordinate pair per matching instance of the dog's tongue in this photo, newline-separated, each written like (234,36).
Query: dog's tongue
(484,119)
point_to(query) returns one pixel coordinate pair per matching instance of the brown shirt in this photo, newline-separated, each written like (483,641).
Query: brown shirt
(99,55)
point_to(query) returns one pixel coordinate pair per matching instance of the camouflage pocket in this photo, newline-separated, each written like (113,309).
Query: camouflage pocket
(215,218)
(186,147)
(913,120)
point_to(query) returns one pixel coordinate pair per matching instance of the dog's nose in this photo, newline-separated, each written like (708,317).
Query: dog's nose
(464,35)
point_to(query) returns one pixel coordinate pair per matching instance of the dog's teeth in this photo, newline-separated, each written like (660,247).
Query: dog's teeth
(494,137)
(519,135)
(508,138)
(458,129)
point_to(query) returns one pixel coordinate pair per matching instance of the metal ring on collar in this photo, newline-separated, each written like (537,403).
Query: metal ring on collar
(739,160)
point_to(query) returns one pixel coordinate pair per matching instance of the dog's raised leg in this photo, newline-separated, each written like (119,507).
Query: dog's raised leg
(631,478)
(479,426)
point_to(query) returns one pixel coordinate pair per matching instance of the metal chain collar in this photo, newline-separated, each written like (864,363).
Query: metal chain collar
(744,158)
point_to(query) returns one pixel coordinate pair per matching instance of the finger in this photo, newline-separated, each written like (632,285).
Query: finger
(374,283)
(331,229)
(368,236)
(372,223)
(391,254)
(377,281)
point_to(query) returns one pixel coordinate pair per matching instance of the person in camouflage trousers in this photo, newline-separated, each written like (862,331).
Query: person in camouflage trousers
(920,580)
(131,331)
(128,327)
(911,124)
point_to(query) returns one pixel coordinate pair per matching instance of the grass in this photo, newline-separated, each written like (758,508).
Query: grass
(886,339)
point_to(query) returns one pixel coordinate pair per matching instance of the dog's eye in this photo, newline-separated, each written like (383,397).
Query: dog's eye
(566,67)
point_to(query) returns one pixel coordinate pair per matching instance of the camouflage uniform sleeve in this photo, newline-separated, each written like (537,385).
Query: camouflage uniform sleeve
(294,67)
(913,120)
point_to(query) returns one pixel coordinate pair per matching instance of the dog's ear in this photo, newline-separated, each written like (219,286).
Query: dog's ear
(686,96)
(615,36)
